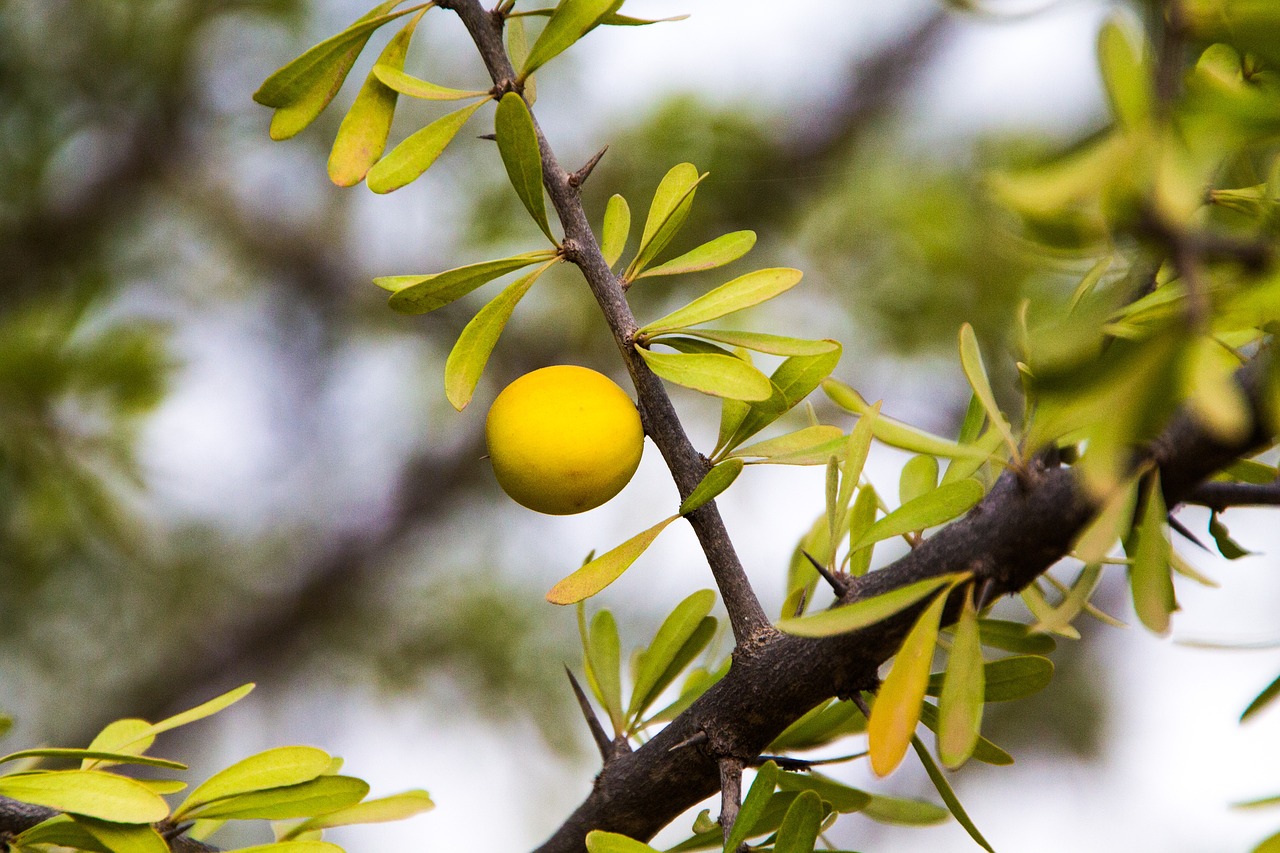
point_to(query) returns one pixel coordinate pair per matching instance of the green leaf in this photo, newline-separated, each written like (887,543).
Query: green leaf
(419,294)
(742,292)
(868,611)
(301,90)
(753,805)
(1150,577)
(937,507)
(362,136)
(1125,74)
(1270,844)
(799,830)
(1014,637)
(381,810)
(466,362)
(1008,679)
(518,145)
(722,250)
(985,751)
(861,517)
(717,375)
(1227,547)
(919,477)
(677,629)
(795,442)
(62,831)
(92,793)
(976,372)
(904,812)
(603,660)
(273,768)
(769,344)
(820,726)
(408,160)
(697,682)
(605,569)
(317,797)
(842,798)
(571,20)
(670,207)
(6,723)
(206,709)
(93,754)
(613,19)
(963,689)
(792,381)
(716,481)
(896,712)
(395,79)
(1113,521)
(1072,603)
(599,841)
(1262,700)
(896,433)
(948,795)
(857,449)
(307,846)
(124,838)
(617,227)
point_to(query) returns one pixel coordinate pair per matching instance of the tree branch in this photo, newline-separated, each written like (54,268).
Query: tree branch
(1218,496)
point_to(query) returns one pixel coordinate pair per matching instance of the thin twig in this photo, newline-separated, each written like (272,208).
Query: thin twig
(603,743)
(1218,495)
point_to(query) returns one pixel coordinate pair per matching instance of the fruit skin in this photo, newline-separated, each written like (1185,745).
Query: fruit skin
(563,439)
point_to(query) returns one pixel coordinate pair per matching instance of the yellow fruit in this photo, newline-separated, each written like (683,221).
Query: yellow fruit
(563,439)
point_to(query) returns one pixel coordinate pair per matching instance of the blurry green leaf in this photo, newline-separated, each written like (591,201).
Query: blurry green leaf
(821,725)
(799,830)
(362,136)
(1250,471)
(301,90)
(963,688)
(518,50)
(1008,679)
(1212,393)
(467,359)
(273,768)
(62,831)
(1112,522)
(606,568)
(1125,74)
(718,375)
(720,251)
(617,227)
(87,792)
(976,372)
(842,798)
(91,754)
(1150,577)
(742,292)
(518,145)
(599,841)
(770,344)
(896,712)
(985,751)
(317,797)
(419,294)
(1227,547)
(937,507)
(1262,700)
(896,433)
(867,611)
(6,724)
(408,160)
(308,846)
(753,805)
(919,477)
(1270,844)
(697,682)
(861,517)
(124,838)
(1090,281)
(571,20)
(904,812)
(395,79)
(604,665)
(716,481)
(1033,597)
(381,810)
(857,449)
(667,212)
(1075,601)
(948,795)
(793,442)
(676,630)
(613,19)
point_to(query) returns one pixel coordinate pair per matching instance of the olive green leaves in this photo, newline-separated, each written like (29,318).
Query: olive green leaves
(419,294)
(571,20)
(92,793)
(598,573)
(518,145)
(408,160)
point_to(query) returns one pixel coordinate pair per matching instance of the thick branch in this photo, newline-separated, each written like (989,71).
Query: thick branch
(688,467)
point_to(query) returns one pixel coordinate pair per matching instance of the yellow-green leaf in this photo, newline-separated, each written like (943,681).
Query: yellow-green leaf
(603,660)
(919,476)
(605,569)
(272,768)
(124,838)
(753,805)
(718,252)
(408,160)
(976,372)
(1150,577)
(570,21)
(100,756)
(963,691)
(717,375)
(896,433)
(800,826)
(617,227)
(87,792)
(937,507)
(1113,521)
(769,344)
(1125,74)
(868,611)
(667,213)
(419,294)
(676,630)
(896,711)
(599,841)
(395,79)
(317,797)
(518,145)
(467,359)
(794,442)
(381,810)
(742,292)
(716,481)
(948,794)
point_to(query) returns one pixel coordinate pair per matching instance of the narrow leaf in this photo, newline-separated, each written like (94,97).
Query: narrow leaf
(466,362)
(1227,547)
(937,507)
(1120,58)
(769,344)
(868,611)
(87,792)
(793,442)
(799,830)
(419,294)
(670,207)
(716,481)
(722,250)
(617,227)
(1262,700)
(948,794)
(362,136)
(753,805)
(518,145)
(1150,577)
(904,812)
(91,754)
(963,689)
(717,375)
(857,449)
(1008,678)
(408,160)
(976,372)
(1113,521)
(742,292)
(307,799)
(134,736)
(896,433)
(571,20)
(605,569)
(919,477)
(896,712)
(272,768)
(842,798)
(381,810)
(124,838)
(676,630)
(861,517)
(1014,637)
(395,79)
(604,658)
(985,751)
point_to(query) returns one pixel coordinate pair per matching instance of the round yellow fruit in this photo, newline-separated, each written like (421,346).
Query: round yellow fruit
(563,439)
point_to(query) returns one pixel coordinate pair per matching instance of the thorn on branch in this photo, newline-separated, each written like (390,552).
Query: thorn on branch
(1181,529)
(692,740)
(578,178)
(492,137)
(603,743)
(837,583)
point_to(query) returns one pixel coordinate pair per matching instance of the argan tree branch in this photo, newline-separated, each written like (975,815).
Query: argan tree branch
(687,466)
(1223,495)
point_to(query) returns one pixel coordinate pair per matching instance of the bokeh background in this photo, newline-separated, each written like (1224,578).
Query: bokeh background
(223,459)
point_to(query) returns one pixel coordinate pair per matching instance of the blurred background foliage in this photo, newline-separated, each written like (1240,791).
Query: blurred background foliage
(222,459)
